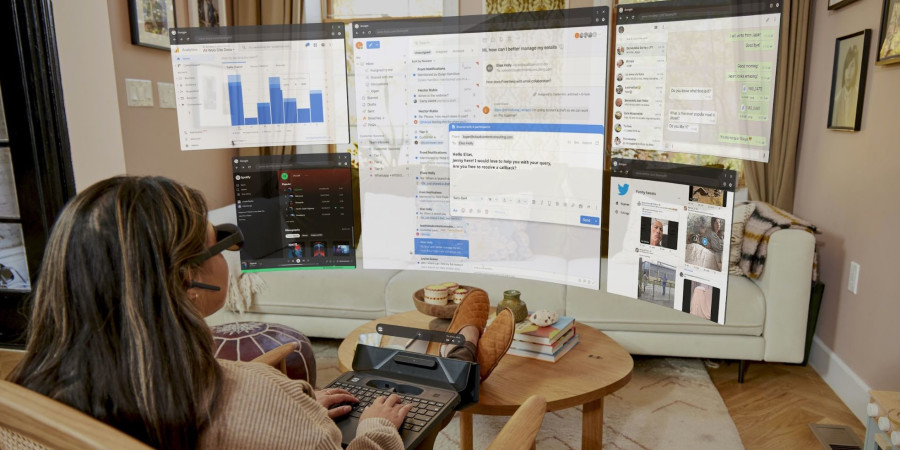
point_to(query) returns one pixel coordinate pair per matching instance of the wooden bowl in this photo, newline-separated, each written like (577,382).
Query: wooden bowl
(439,311)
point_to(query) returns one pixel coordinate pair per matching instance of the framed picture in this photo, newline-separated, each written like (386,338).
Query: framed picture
(848,81)
(207,13)
(889,36)
(835,4)
(150,22)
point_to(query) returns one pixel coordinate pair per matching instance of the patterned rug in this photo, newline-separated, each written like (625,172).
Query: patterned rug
(670,403)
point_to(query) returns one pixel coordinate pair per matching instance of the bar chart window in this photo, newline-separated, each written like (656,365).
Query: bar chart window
(260,86)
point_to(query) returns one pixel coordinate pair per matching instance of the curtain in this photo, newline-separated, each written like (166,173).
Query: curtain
(774,182)
(265,12)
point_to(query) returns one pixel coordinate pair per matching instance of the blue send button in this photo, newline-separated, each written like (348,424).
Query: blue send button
(373,44)
(590,220)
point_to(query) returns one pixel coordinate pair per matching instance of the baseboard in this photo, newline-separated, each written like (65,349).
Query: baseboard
(848,386)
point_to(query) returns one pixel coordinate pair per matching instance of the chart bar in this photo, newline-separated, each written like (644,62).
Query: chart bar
(265,113)
(315,106)
(236,99)
(290,110)
(275,97)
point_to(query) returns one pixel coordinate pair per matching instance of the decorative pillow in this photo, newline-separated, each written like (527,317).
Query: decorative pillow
(244,341)
(742,212)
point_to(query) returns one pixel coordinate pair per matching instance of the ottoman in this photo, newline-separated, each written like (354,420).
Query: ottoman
(243,341)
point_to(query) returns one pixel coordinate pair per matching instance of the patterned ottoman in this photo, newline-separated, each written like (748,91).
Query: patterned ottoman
(243,341)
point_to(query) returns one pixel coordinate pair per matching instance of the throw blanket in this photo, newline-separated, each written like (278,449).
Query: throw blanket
(765,220)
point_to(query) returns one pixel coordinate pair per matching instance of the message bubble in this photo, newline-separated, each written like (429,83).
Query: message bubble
(684,127)
(742,139)
(755,93)
(691,93)
(759,45)
(748,76)
(751,35)
(756,117)
(749,67)
(692,116)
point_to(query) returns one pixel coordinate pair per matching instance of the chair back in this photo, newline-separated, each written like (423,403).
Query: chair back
(522,428)
(42,421)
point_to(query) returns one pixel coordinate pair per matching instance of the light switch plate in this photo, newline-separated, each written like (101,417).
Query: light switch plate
(166,93)
(853,281)
(139,92)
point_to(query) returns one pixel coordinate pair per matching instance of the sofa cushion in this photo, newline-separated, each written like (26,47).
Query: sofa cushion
(744,315)
(349,293)
(536,294)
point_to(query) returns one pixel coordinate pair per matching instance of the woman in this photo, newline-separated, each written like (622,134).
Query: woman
(117,331)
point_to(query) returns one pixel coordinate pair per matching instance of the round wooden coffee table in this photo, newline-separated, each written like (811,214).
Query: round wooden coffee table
(595,367)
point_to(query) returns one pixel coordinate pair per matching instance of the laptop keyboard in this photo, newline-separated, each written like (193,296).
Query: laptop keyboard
(422,413)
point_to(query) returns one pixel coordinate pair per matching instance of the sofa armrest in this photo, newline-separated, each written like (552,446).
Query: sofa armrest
(786,283)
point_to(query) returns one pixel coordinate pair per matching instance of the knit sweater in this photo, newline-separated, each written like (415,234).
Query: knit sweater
(259,407)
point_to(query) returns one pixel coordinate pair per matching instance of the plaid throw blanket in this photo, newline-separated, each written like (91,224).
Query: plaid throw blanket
(765,220)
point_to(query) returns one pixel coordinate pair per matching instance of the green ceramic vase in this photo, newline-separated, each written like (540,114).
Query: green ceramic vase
(515,304)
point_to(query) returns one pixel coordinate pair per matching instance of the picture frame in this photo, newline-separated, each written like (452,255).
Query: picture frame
(888,50)
(837,4)
(207,13)
(848,81)
(151,21)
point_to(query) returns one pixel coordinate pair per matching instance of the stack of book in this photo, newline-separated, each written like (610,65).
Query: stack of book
(548,343)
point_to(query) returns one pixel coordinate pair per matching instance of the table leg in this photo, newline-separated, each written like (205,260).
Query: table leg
(465,431)
(592,425)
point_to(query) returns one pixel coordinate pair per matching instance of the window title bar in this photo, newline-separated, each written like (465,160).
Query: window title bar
(261,33)
(674,10)
(576,17)
(667,172)
(290,162)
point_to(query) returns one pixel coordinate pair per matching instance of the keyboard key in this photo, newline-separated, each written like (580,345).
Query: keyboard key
(430,413)
(422,417)
(414,429)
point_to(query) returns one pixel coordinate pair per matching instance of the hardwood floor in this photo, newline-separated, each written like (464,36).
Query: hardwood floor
(776,402)
(771,409)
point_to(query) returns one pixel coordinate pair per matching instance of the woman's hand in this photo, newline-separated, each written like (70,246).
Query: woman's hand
(390,408)
(332,396)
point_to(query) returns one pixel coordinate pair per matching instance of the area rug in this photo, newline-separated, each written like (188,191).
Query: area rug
(669,403)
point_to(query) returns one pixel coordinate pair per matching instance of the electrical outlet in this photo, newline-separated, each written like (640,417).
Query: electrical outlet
(853,282)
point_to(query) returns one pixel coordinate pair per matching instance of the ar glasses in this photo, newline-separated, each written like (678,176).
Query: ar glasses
(228,237)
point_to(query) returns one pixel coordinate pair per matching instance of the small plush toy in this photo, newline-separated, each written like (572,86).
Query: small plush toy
(543,317)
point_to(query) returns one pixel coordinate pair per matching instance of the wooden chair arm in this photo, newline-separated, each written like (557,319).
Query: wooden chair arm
(275,358)
(56,425)
(522,428)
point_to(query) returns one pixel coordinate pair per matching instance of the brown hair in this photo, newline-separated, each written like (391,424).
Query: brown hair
(113,332)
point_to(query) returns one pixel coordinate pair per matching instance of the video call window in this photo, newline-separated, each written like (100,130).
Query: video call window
(295,211)
(263,85)
(670,233)
(696,76)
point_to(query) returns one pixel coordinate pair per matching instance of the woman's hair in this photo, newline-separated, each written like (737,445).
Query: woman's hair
(113,332)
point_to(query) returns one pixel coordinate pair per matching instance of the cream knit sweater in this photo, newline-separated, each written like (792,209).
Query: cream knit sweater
(261,408)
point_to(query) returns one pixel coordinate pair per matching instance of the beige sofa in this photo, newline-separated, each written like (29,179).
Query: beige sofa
(765,318)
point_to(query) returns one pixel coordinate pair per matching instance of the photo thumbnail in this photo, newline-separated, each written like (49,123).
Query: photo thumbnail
(318,249)
(701,300)
(656,283)
(659,232)
(705,241)
(295,250)
(708,196)
(340,248)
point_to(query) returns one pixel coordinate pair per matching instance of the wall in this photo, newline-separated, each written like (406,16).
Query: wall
(88,79)
(150,135)
(848,185)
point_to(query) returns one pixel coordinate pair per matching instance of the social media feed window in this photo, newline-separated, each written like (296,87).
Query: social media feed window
(670,234)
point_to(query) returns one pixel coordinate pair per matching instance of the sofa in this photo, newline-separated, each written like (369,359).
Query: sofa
(765,318)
